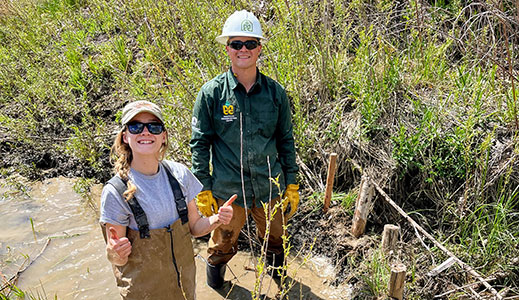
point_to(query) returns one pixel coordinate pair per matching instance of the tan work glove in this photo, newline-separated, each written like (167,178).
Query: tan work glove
(206,203)
(292,197)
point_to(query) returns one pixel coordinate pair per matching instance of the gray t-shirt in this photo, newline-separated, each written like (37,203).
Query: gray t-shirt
(154,195)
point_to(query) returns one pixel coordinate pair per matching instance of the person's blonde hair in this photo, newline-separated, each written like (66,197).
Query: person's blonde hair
(121,153)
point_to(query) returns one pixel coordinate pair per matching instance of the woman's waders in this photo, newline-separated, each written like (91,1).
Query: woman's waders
(161,264)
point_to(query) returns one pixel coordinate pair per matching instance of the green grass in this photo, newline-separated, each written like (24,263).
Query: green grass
(376,275)
(15,293)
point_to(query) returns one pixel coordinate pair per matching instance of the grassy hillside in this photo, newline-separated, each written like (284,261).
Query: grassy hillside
(419,95)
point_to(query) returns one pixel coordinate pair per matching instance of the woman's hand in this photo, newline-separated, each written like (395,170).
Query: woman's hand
(201,226)
(118,249)
(225,212)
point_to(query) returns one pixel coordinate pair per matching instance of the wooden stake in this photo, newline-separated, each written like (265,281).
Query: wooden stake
(363,207)
(329,181)
(396,281)
(390,237)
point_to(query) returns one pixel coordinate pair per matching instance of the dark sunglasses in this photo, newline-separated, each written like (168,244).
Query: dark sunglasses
(237,45)
(138,127)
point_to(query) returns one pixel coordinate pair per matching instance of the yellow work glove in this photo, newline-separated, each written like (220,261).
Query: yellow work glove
(206,203)
(292,197)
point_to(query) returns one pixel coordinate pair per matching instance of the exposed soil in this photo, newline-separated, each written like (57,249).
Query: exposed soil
(41,154)
(325,235)
(42,161)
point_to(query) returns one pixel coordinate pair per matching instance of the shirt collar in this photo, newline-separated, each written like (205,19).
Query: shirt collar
(234,81)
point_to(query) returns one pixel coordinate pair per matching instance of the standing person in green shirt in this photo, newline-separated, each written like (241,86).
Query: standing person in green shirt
(242,137)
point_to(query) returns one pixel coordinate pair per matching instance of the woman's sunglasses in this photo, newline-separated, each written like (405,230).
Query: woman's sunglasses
(138,127)
(237,45)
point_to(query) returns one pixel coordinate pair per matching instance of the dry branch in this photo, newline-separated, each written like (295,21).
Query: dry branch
(442,267)
(12,281)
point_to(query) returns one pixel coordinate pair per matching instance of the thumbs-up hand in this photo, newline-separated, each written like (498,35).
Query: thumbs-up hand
(118,249)
(225,211)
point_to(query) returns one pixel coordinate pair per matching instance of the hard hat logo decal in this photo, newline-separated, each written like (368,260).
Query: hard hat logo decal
(241,23)
(246,25)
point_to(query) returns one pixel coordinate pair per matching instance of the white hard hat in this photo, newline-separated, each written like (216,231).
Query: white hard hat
(241,23)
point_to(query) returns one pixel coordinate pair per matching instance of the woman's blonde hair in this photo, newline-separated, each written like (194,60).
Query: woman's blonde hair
(121,153)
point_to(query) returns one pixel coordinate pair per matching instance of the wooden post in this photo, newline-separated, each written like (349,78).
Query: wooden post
(329,181)
(363,207)
(396,281)
(389,237)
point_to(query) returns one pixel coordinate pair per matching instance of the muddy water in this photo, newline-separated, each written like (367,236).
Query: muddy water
(72,265)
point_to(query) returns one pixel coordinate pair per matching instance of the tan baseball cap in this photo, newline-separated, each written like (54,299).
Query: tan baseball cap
(134,108)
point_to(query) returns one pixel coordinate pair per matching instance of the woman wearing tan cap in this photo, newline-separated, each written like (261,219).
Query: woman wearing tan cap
(148,212)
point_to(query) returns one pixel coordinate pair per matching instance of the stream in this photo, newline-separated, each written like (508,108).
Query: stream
(51,234)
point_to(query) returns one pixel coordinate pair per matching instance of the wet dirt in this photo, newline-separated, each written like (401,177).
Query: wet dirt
(72,265)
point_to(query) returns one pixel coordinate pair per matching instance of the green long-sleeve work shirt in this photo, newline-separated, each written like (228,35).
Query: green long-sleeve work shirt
(239,132)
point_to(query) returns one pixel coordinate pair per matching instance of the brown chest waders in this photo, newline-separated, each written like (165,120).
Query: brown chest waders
(161,265)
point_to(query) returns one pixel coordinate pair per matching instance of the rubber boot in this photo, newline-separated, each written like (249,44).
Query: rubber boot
(277,261)
(215,275)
